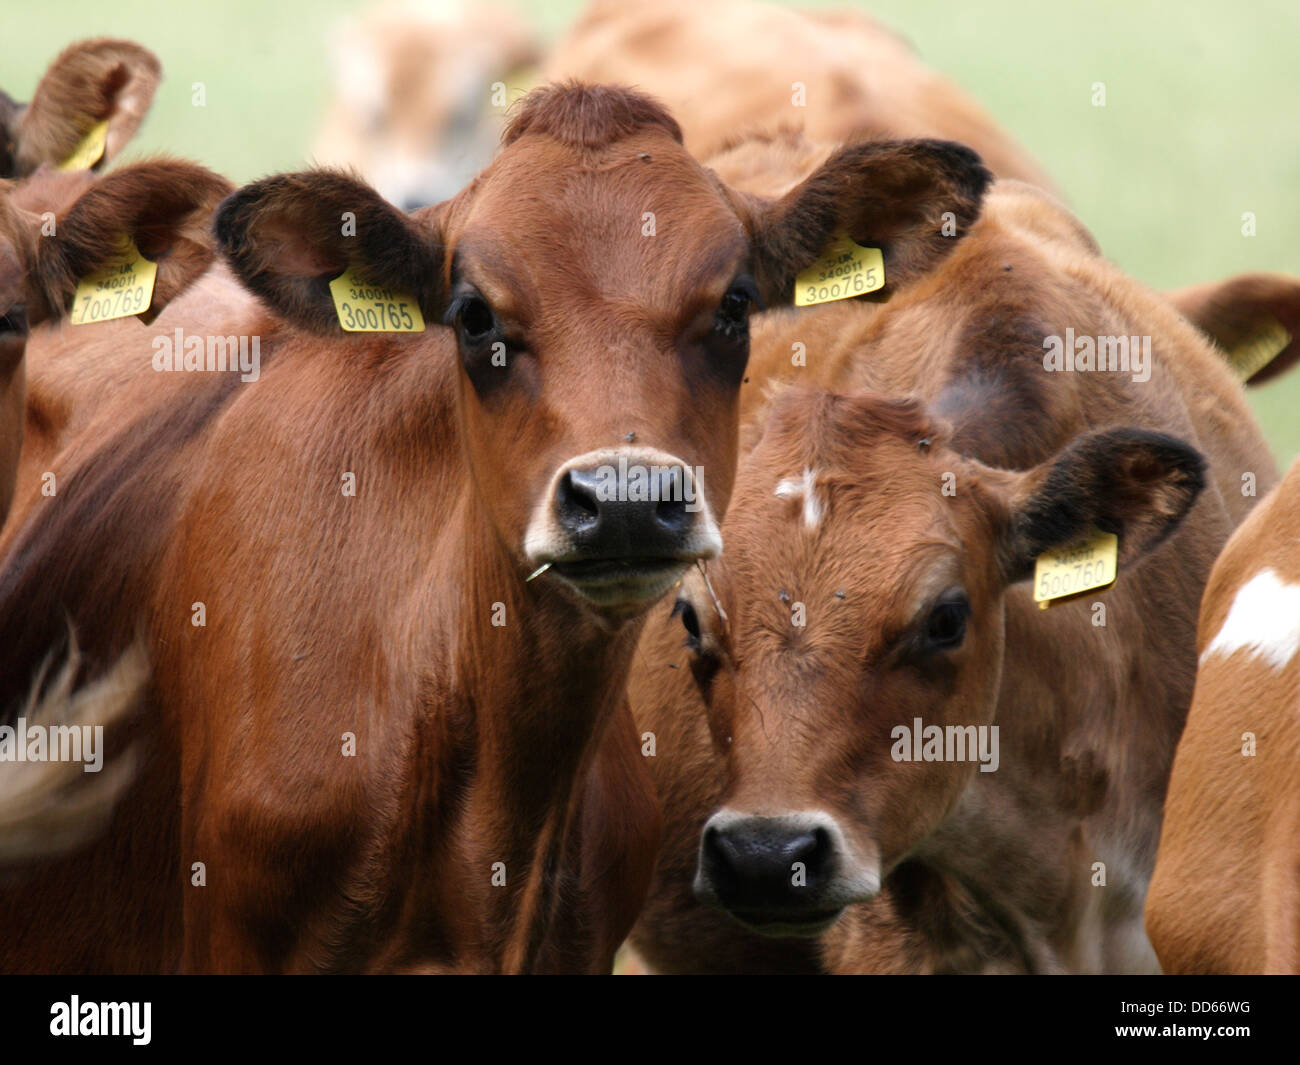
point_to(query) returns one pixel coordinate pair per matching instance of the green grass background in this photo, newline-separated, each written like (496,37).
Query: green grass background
(1201,123)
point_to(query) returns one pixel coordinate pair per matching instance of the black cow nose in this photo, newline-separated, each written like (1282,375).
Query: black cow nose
(767,868)
(608,512)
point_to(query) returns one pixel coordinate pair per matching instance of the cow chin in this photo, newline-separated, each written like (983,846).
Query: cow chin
(620,588)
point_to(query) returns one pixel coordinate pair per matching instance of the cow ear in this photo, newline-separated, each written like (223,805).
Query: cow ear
(165,207)
(1134,483)
(91,82)
(1253,318)
(286,237)
(912,199)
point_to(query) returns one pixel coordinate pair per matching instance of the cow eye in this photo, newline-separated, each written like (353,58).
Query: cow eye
(690,621)
(14,323)
(475,320)
(945,628)
(733,312)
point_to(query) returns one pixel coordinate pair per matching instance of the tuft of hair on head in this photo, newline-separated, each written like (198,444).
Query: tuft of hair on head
(588,116)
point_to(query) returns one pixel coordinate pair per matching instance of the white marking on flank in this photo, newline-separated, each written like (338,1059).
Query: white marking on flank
(804,488)
(1264,619)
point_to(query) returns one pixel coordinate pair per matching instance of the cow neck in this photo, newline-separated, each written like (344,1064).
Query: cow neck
(539,690)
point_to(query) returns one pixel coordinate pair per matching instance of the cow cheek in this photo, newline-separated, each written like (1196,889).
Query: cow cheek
(506,460)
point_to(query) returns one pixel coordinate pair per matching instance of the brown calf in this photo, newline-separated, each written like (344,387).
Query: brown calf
(393,749)
(91,82)
(1225,895)
(913,604)
(729,68)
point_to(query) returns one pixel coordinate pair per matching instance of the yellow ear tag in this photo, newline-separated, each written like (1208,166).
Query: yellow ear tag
(1086,565)
(843,270)
(1257,350)
(119,289)
(90,150)
(364,308)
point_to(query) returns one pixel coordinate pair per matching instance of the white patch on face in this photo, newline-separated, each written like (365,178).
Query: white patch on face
(804,488)
(1264,619)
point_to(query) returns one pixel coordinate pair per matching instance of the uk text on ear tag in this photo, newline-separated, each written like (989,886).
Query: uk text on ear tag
(1086,565)
(364,308)
(89,150)
(843,270)
(1254,352)
(118,289)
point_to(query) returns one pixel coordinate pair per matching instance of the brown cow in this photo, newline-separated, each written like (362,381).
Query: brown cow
(420,94)
(393,749)
(913,606)
(730,68)
(91,82)
(56,228)
(1225,895)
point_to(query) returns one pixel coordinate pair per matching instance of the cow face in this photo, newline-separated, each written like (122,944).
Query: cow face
(860,598)
(56,228)
(94,81)
(597,283)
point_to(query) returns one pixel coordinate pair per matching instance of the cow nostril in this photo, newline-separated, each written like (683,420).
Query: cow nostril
(672,515)
(671,512)
(579,505)
(721,856)
(814,849)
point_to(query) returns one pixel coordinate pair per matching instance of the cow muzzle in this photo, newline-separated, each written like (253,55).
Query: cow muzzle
(620,527)
(787,875)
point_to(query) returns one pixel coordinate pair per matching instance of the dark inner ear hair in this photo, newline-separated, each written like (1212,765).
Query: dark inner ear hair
(1134,483)
(885,194)
(388,250)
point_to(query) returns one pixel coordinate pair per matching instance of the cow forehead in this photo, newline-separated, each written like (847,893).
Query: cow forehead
(540,187)
(606,234)
(872,571)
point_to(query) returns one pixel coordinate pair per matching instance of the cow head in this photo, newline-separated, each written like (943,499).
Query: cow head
(57,228)
(90,82)
(597,282)
(860,597)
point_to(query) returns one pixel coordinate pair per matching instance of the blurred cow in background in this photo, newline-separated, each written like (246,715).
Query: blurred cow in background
(731,67)
(421,89)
